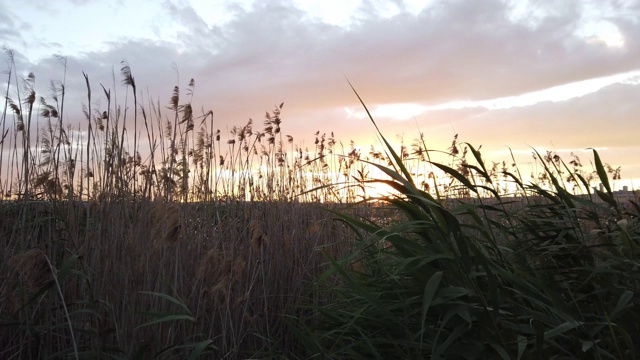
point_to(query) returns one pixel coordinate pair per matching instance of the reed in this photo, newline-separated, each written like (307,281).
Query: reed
(110,252)
(553,276)
(201,243)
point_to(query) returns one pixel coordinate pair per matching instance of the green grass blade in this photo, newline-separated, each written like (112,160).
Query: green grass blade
(429,293)
(168,317)
(600,170)
(396,158)
(169,298)
(200,348)
(457,176)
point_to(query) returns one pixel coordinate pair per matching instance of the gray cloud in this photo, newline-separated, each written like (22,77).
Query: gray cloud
(601,119)
(9,29)
(458,50)
(606,119)
(455,50)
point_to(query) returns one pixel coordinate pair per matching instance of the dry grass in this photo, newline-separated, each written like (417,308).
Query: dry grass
(237,284)
(225,226)
(218,233)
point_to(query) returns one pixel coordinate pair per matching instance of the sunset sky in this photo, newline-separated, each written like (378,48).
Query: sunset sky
(545,74)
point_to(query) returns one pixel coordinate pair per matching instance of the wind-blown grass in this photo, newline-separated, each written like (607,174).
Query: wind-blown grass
(554,277)
(107,253)
(206,245)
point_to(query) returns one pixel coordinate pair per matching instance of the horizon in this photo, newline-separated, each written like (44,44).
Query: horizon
(498,73)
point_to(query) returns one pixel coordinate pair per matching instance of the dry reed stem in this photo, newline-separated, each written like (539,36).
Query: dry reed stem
(208,264)
(168,229)
(29,270)
(257,233)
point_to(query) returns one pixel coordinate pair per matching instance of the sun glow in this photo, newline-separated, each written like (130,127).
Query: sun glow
(377,190)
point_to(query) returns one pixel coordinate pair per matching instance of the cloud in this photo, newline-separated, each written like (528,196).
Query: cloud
(272,52)
(9,30)
(603,118)
(455,51)
(606,119)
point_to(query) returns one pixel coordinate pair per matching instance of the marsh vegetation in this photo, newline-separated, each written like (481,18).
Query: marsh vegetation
(146,232)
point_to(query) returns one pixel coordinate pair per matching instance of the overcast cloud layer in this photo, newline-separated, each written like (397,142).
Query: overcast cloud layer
(451,51)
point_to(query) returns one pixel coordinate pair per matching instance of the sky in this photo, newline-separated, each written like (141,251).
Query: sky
(503,74)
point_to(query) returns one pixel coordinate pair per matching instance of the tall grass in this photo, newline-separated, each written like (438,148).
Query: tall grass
(144,231)
(183,251)
(554,275)
(181,155)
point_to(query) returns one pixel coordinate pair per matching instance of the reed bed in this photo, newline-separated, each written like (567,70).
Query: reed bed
(552,275)
(202,243)
(229,273)
(151,234)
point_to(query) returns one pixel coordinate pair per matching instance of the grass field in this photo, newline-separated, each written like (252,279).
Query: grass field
(252,247)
